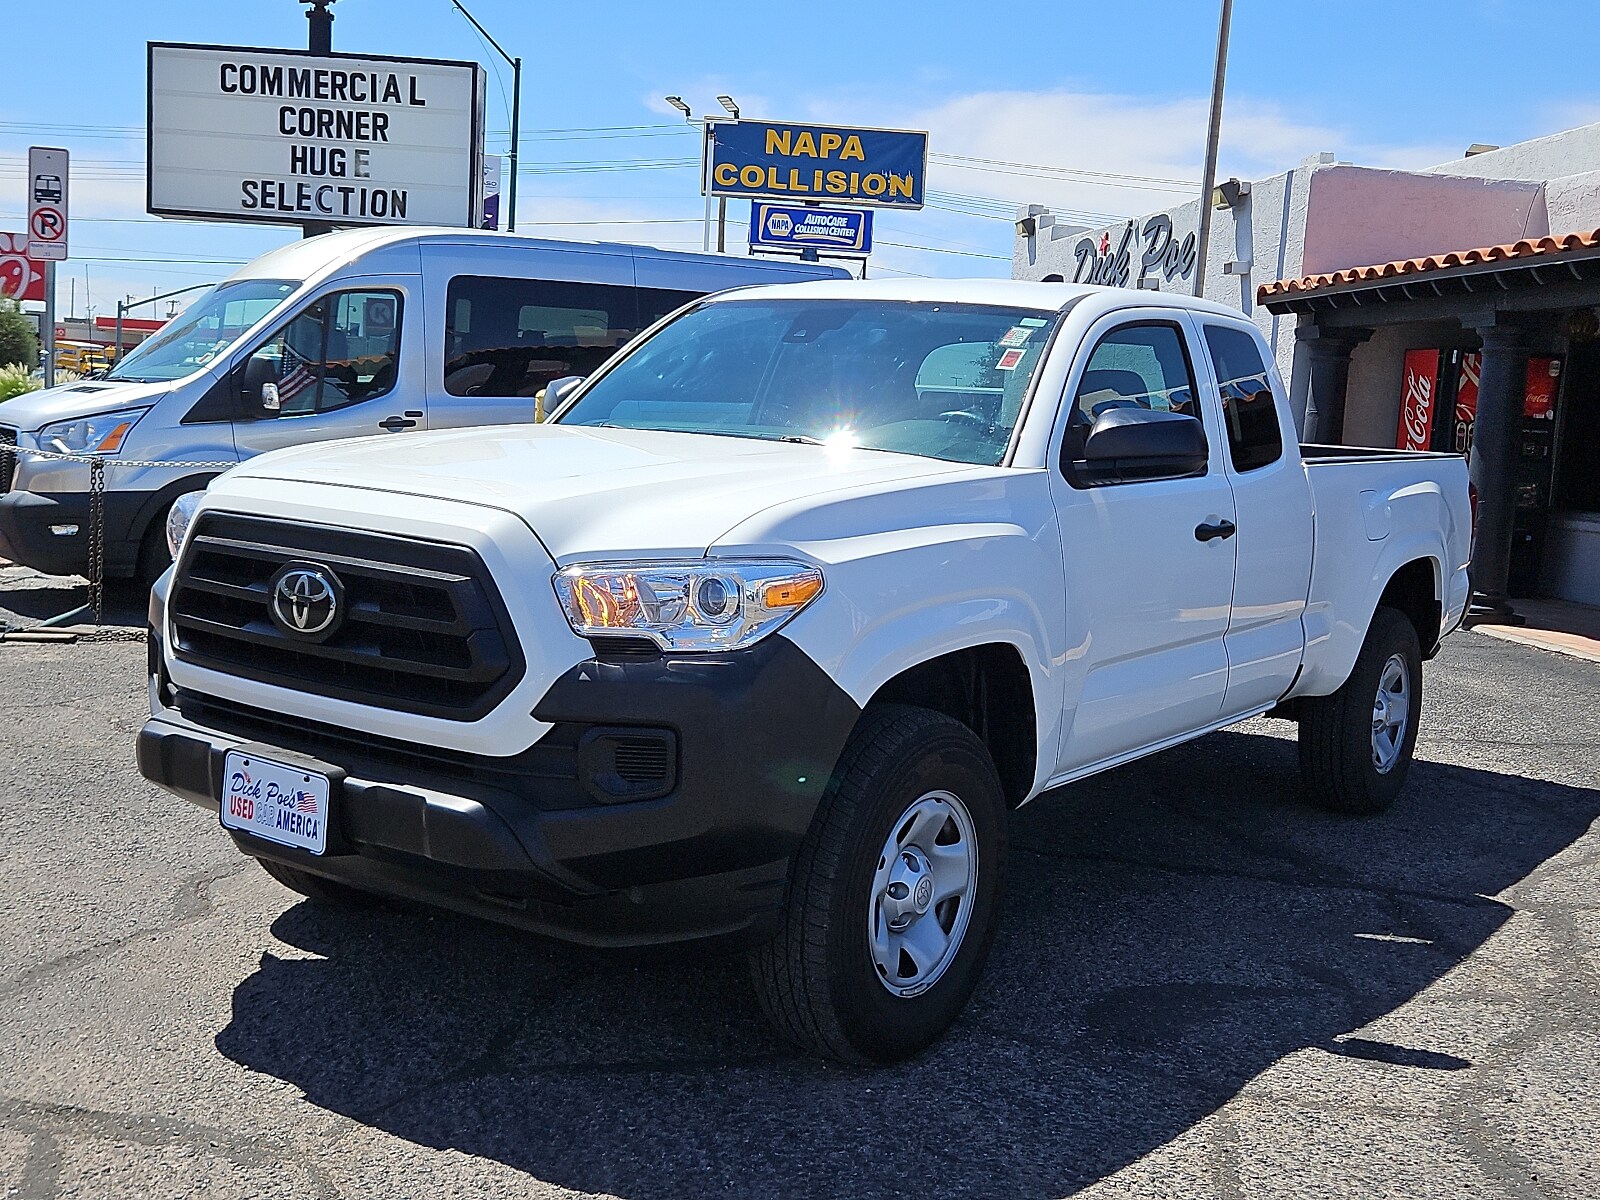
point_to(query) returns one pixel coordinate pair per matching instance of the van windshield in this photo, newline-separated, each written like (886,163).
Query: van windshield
(939,380)
(192,340)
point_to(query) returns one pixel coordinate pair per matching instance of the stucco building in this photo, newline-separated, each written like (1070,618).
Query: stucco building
(1452,308)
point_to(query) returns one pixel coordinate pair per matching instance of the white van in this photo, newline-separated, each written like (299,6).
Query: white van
(360,332)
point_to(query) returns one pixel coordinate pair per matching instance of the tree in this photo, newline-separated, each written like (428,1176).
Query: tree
(18,345)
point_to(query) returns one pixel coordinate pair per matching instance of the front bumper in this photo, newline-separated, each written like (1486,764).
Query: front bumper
(537,840)
(26,536)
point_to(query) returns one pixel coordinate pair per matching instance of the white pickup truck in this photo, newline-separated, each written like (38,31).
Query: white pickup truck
(764,634)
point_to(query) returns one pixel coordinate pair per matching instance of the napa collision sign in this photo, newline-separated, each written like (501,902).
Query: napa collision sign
(287,137)
(798,227)
(779,160)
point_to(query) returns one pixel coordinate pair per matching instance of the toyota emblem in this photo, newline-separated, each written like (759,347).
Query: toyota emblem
(307,600)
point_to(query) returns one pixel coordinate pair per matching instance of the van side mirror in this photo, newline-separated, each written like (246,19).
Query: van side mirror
(1140,443)
(546,399)
(259,391)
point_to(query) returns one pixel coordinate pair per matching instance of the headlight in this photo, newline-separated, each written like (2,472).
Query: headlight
(178,518)
(702,605)
(100,434)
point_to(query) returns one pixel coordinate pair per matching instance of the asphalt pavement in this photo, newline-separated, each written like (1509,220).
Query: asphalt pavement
(1201,988)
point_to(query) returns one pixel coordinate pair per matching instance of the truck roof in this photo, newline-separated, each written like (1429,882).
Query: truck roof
(313,256)
(1019,293)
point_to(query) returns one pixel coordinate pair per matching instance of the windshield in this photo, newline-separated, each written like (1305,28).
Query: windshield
(192,340)
(939,380)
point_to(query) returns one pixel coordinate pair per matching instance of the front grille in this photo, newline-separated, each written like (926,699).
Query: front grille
(8,459)
(424,629)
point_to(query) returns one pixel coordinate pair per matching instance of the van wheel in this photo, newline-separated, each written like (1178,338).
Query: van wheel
(895,893)
(1356,745)
(315,887)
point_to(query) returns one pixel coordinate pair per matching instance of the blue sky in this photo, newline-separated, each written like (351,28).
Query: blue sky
(1118,89)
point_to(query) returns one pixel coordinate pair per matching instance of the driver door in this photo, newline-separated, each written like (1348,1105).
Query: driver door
(340,367)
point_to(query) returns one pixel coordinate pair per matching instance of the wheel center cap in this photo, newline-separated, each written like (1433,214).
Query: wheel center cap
(909,891)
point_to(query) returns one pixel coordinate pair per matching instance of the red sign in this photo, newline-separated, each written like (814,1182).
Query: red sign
(1539,397)
(20,277)
(1419,400)
(1467,401)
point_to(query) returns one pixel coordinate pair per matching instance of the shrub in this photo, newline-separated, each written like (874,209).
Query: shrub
(15,381)
(17,343)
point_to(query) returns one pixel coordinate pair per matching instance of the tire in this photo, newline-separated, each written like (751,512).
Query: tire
(820,982)
(152,559)
(1346,764)
(315,887)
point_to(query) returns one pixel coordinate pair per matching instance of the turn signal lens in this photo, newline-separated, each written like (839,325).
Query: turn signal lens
(793,593)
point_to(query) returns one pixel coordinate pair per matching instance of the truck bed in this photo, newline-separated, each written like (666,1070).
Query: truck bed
(1377,510)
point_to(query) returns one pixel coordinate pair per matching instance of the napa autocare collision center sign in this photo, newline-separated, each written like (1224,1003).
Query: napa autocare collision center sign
(780,160)
(287,137)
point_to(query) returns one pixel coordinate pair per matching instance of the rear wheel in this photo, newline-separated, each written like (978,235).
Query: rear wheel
(1356,745)
(895,893)
(315,887)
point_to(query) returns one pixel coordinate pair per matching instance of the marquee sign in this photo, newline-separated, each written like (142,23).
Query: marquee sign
(286,137)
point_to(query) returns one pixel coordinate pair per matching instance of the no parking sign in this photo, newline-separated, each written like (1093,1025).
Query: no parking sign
(47,204)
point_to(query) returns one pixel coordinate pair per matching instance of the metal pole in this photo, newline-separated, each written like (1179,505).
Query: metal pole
(319,40)
(47,333)
(705,179)
(117,357)
(1213,134)
(722,224)
(516,134)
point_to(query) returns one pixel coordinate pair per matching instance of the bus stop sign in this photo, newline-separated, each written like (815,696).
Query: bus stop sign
(47,204)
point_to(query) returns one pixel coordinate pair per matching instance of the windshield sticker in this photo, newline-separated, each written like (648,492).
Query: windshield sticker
(1017,335)
(1009,360)
(1033,322)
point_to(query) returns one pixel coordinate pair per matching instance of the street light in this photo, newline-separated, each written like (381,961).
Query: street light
(516,110)
(1213,132)
(727,103)
(677,103)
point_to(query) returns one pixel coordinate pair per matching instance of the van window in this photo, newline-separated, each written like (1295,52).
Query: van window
(511,337)
(341,349)
(1254,438)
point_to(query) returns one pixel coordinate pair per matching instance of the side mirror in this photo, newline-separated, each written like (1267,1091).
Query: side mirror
(1138,443)
(259,390)
(547,397)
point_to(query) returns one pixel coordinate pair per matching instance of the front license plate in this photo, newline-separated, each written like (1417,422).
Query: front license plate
(270,800)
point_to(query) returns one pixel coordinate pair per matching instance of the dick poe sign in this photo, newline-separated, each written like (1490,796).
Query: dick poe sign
(881,168)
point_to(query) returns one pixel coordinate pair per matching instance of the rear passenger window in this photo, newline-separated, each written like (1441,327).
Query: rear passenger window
(1142,365)
(1254,437)
(511,337)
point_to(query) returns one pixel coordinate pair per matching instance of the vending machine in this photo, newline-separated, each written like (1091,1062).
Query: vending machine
(1438,405)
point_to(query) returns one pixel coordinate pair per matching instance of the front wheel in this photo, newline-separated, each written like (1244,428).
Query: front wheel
(895,892)
(1356,745)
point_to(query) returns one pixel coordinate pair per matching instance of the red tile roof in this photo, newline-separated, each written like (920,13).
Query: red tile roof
(1527,248)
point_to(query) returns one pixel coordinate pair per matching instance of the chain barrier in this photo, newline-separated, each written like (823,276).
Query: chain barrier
(12,457)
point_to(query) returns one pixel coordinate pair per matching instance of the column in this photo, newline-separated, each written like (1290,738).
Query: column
(1495,435)
(1328,360)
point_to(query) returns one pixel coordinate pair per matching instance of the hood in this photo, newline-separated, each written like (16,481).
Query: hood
(71,401)
(595,492)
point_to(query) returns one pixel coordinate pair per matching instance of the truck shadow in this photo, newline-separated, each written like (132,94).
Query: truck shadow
(1172,929)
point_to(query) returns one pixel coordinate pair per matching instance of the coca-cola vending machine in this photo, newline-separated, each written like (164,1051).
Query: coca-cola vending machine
(1438,407)
(1419,401)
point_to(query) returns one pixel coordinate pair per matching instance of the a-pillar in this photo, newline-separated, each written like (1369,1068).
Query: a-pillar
(1495,435)
(1327,377)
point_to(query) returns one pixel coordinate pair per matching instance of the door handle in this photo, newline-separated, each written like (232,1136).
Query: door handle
(1205,531)
(394,424)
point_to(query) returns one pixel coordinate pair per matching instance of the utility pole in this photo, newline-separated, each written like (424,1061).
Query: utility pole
(516,111)
(319,41)
(1209,180)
